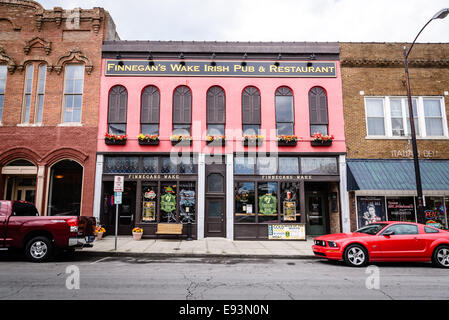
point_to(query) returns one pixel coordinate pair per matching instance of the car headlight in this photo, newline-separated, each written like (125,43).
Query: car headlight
(332,244)
(321,243)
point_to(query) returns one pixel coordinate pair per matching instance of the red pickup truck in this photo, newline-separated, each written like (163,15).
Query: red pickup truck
(21,227)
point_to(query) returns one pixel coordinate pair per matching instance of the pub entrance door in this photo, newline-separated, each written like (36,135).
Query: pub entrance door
(215,197)
(316,213)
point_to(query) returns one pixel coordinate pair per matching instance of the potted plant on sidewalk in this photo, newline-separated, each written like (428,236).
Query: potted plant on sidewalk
(99,231)
(137,233)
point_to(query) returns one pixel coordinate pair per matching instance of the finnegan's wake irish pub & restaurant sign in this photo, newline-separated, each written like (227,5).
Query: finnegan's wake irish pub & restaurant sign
(192,68)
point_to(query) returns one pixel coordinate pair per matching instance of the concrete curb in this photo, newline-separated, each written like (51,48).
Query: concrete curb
(194,255)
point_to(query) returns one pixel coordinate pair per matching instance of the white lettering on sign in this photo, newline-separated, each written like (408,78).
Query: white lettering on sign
(119,182)
(409,154)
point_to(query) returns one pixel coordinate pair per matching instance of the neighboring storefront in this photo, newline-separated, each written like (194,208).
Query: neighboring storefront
(384,190)
(50,62)
(381,173)
(229,141)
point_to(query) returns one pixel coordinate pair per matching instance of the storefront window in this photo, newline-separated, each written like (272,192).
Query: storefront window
(326,166)
(268,206)
(290,202)
(288,165)
(187,201)
(401,209)
(121,165)
(266,165)
(370,210)
(435,212)
(149,201)
(149,164)
(168,165)
(245,202)
(168,202)
(244,165)
(186,165)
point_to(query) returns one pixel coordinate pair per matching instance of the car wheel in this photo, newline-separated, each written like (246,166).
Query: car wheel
(355,256)
(440,257)
(39,249)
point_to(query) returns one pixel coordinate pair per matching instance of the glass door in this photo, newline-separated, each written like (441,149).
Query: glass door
(316,217)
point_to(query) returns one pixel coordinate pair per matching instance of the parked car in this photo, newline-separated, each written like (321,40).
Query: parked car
(21,227)
(386,241)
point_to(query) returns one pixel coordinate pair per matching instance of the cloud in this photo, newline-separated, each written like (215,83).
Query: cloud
(267,20)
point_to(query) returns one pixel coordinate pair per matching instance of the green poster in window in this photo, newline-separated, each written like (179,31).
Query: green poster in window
(168,202)
(267,204)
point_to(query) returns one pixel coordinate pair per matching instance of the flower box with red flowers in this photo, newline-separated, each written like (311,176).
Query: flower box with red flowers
(252,140)
(180,140)
(216,140)
(115,139)
(319,140)
(148,139)
(286,141)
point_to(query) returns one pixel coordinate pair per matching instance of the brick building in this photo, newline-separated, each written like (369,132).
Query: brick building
(280,184)
(50,67)
(379,151)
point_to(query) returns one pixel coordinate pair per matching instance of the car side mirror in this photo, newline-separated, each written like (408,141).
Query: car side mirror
(388,233)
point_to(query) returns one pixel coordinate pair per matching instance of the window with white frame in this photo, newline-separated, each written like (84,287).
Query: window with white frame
(29,72)
(73,93)
(389,117)
(3,72)
(40,93)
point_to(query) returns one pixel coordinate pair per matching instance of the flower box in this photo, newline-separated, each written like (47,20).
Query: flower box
(321,143)
(252,141)
(148,140)
(181,141)
(114,139)
(110,141)
(287,141)
(320,140)
(216,141)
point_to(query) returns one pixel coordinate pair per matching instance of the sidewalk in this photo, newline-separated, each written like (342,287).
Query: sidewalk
(208,247)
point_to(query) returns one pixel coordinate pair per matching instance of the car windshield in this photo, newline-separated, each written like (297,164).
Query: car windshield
(372,228)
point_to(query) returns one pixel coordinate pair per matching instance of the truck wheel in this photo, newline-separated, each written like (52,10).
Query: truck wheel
(440,257)
(39,249)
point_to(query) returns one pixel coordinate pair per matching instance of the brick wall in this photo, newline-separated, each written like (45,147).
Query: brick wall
(378,70)
(31,34)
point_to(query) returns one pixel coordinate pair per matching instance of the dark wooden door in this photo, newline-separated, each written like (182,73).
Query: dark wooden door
(215,215)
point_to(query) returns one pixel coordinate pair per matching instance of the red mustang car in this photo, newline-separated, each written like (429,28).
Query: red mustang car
(386,241)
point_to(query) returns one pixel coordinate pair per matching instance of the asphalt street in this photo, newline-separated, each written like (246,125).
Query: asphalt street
(85,276)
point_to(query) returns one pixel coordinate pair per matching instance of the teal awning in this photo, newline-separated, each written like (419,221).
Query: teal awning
(386,174)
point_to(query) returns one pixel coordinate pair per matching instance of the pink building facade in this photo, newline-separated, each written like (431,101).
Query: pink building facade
(231,145)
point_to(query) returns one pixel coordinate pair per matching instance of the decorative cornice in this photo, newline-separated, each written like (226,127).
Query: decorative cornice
(74,55)
(395,63)
(73,18)
(38,43)
(11,65)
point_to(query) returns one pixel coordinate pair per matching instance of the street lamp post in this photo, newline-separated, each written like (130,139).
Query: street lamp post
(439,15)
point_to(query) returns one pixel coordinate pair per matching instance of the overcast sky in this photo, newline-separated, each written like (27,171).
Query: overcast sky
(272,20)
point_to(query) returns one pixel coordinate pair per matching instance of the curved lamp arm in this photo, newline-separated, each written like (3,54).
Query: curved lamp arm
(439,15)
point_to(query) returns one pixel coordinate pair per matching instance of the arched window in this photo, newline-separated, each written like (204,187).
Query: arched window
(27,92)
(216,111)
(251,111)
(40,94)
(149,111)
(319,120)
(284,112)
(64,194)
(118,103)
(182,111)
(3,73)
(73,92)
